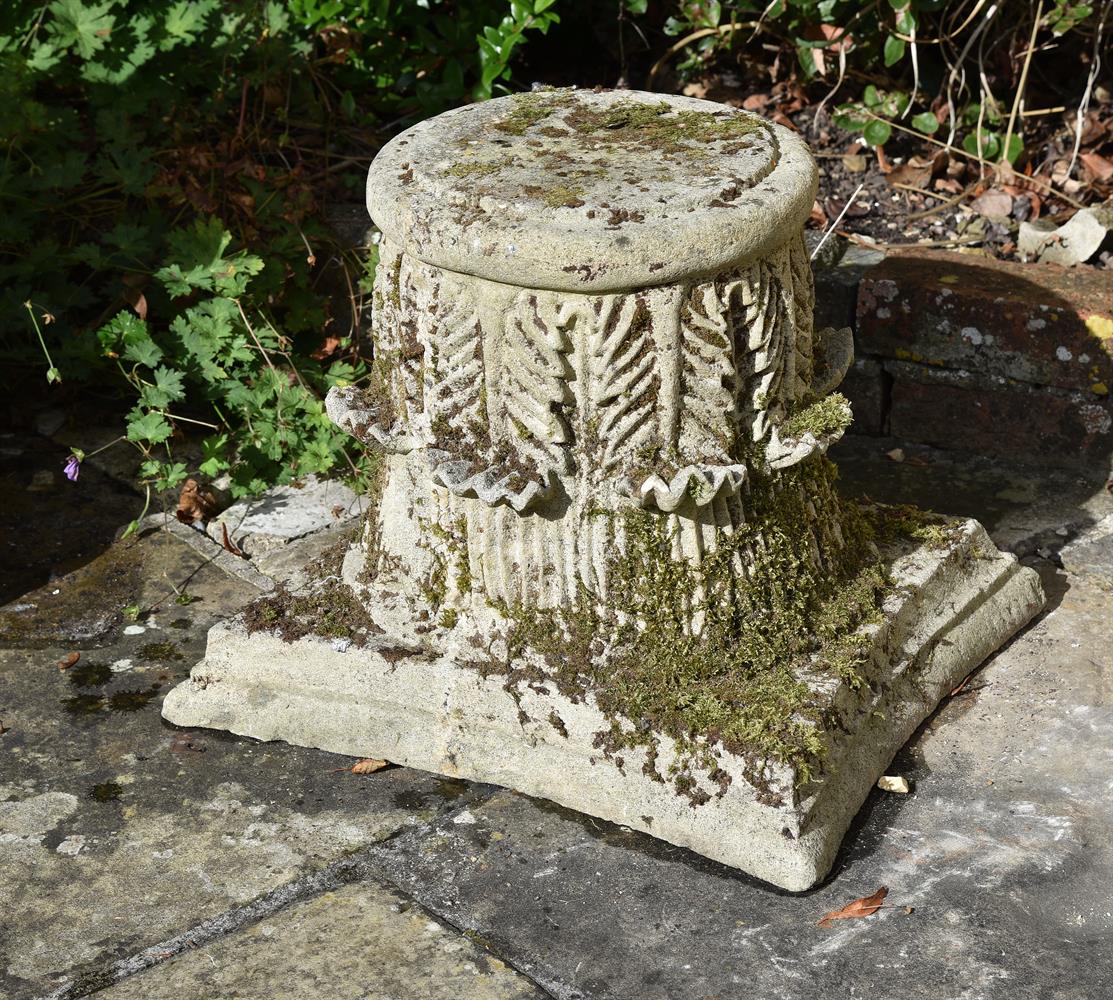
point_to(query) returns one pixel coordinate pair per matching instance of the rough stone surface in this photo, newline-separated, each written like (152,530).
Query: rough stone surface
(1036,324)
(544,188)
(1028,507)
(867,387)
(356,943)
(433,714)
(996,863)
(1091,553)
(1002,851)
(836,285)
(286,513)
(116,832)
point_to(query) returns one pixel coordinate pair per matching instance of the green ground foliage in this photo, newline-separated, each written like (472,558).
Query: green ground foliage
(166,171)
(925,55)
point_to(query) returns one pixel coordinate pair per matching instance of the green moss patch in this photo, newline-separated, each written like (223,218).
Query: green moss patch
(709,657)
(830,415)
(329,610)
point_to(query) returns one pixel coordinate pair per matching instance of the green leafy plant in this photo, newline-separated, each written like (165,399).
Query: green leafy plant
(223,347)
(167,167)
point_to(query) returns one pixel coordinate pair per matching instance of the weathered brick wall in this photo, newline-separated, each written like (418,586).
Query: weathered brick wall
(976,354)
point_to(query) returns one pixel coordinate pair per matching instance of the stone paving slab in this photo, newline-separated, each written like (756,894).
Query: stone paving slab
(116,831)
(1025,506)
(287,513)
(361,942)
(1003,850)
(998,864)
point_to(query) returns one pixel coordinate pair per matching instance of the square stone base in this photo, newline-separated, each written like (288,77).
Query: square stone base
(950,607)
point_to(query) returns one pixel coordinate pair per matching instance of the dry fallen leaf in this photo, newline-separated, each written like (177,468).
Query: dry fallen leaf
(196,502)
(962,686)
(947,185)
(897,454)
(137,300)
(995,205)
(916,172)
(864,907)
(369,765)
(69,661)
(328,346)
(1099,167)
(227,542)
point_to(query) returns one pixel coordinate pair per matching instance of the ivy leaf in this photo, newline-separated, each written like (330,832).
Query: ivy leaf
(85,28)
(1014,149)
(877,133)
(152,427)
(990,144)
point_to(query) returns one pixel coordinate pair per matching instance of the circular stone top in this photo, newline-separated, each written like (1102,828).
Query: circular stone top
(591,191)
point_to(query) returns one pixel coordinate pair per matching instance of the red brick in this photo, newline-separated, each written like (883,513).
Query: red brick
(1034,323)
(971,412)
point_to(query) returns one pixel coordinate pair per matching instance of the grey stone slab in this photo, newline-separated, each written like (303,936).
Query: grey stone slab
(361,942)
(286,513)
(117,831)
(1091,553)
(836,283)
(998,864)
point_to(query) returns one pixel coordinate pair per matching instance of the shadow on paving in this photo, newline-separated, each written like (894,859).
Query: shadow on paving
(50,526)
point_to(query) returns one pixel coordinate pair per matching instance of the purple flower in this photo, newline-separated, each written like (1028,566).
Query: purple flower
(73,468)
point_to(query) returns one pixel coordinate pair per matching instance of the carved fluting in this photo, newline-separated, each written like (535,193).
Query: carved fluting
(532,385)
(760,334)
(453,399)
(624,382)
(708,380)
(535,416)
(803,309)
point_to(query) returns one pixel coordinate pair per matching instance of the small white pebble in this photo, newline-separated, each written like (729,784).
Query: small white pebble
(135,630)
(71,845)
(464,819)
(893,783)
